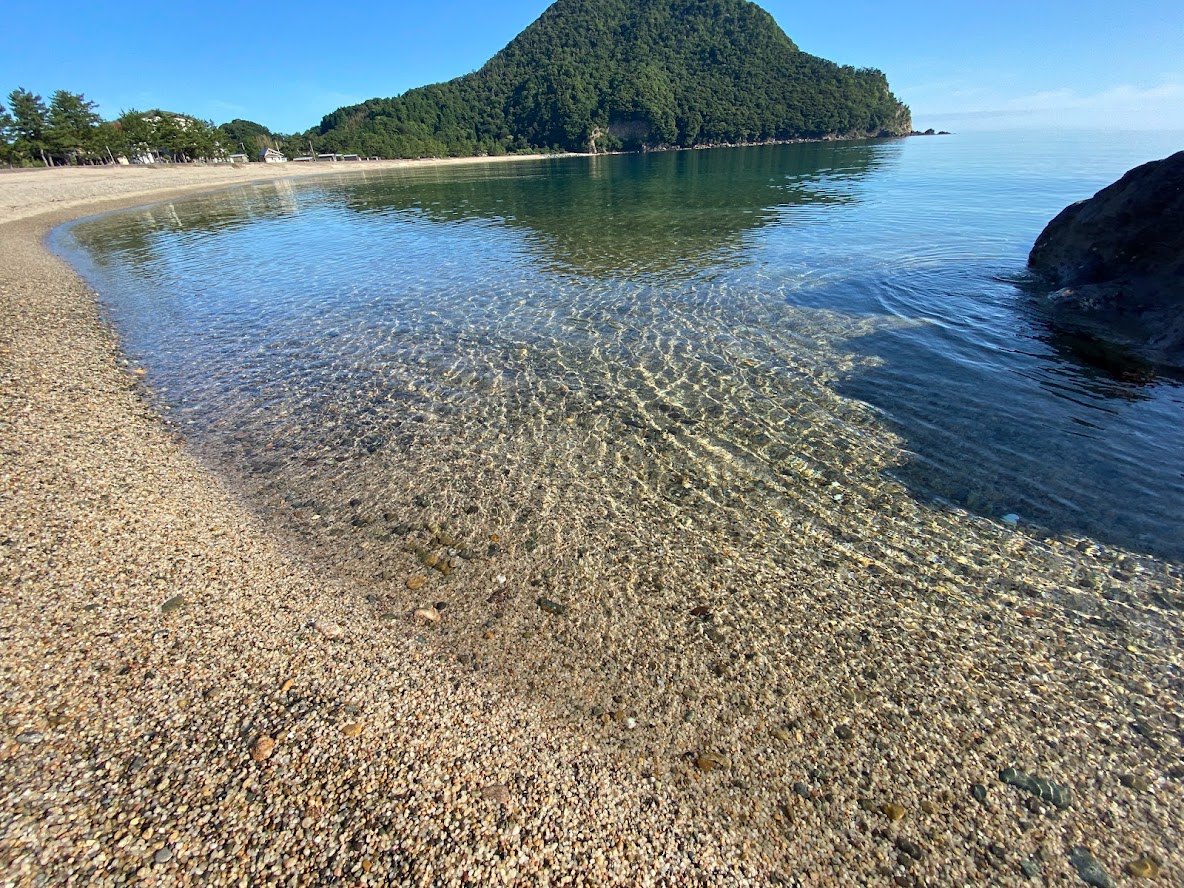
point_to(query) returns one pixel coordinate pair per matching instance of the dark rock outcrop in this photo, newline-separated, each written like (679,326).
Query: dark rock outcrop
(1114,264)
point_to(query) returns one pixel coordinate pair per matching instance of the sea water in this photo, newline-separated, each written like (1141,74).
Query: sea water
(747,336)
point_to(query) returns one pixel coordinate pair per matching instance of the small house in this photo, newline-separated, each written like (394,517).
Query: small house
(270,155)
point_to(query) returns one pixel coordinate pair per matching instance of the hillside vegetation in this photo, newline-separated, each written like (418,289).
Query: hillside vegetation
(596,75)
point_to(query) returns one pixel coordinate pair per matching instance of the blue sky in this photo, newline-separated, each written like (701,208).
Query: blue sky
(1003,65)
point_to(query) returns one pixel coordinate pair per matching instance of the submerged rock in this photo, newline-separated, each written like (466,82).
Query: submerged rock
(552,607)
(709,761)
(1088,868)
(1115,262)
(1045,790)
(1143,867)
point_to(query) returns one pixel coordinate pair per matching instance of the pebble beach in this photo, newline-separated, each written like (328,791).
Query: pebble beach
(194,692)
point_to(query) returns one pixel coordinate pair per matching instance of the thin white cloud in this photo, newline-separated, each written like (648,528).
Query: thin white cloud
(228,107)
(1124,106)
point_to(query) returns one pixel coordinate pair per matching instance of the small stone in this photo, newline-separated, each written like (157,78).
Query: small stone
(802,789)
(262,748)
(781,734)
(428,615)
(979,792)
(416,582)
(552,607)
(1045,790)
(909,847)
(164,855)
(1143,867)
(351,729)
(1011,518)
(892,811)
(1030,868)
(701,611)
(30,737)
(497,792)
(174,603)
(928,807)
(868,805)
(1135,782)
(630,723)
(328,629)
(844,732)
(709,761)
(1088,868)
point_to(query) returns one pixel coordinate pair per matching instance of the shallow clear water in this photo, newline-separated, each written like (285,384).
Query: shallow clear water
(782,339)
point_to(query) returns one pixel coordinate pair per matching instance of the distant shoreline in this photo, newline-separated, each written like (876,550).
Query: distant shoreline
(29,193)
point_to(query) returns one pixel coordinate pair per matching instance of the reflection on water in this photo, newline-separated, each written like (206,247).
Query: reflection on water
(672,214)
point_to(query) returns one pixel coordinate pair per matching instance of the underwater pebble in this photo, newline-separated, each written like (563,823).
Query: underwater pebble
(909,847)
(1143,867)
(552,607)
(262,748)
(328,629)
(174,603)
(1135,782)
(1088,868)
(709,761)
(497,792)
(1043,789)
(428,615)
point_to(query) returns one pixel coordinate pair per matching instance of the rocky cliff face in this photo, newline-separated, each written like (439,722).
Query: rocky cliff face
(1114,264)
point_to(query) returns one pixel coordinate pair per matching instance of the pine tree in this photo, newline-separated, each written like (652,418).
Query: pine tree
(30,119)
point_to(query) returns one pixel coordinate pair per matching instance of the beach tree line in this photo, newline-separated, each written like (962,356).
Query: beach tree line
(68,130)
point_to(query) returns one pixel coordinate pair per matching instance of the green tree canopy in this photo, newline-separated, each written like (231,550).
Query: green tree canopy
(613,74)
(71,123)
(30,119)
(248,136)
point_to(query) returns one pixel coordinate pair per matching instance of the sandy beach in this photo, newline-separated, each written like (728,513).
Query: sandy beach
(192,697)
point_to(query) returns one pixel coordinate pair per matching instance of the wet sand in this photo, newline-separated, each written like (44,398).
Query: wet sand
(194,694)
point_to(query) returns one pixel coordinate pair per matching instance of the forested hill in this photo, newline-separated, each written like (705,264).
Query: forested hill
(596,75)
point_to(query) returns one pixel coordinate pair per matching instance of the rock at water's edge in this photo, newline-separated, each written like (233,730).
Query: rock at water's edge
(1116,261)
